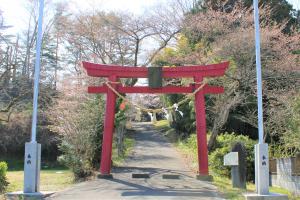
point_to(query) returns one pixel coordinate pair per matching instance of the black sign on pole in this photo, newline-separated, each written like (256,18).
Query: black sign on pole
(155,77)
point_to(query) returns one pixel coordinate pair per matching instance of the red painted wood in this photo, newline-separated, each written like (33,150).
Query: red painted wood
(201,130)
(97,89)
(166,90)
(106,153)
(101,70)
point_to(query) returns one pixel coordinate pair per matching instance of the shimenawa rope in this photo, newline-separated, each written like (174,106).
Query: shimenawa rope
(158,110)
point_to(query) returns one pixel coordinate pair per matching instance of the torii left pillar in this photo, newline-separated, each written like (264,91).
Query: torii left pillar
(201,130)
(106,154)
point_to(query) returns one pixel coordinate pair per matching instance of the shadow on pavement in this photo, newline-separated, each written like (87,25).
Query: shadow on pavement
(149,191)
(151,171)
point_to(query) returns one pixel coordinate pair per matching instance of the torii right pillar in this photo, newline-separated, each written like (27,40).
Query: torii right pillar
(203,173)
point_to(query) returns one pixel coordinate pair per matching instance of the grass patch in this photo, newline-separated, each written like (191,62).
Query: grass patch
(189,148)
(189,152)
(54,177)
(224,186)
(162,125)
(284,191)
(51,180)
(128,144)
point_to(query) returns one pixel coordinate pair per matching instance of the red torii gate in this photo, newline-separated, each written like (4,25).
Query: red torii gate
(114,72)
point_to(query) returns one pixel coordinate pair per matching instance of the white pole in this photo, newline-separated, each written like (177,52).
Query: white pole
(37,71)
(32,159)
(258,73)
(261,149)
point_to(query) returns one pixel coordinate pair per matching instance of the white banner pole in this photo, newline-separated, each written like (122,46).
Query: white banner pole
(32,159)
(261,149)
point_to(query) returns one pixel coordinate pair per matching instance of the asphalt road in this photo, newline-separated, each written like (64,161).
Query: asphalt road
(151,155)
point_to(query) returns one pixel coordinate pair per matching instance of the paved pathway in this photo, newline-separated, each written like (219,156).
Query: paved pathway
(154,155)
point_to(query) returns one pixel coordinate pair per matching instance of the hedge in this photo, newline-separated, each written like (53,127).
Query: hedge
(3,179)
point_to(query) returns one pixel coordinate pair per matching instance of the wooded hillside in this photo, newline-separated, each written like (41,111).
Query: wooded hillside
(182,32)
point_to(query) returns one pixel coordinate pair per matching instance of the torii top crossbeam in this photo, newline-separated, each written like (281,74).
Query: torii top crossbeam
(101,70)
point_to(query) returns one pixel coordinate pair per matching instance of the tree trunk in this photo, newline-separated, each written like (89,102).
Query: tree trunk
(136,53)
(120,139)
(222,118)
(15,62)
(7,76)
(56,63)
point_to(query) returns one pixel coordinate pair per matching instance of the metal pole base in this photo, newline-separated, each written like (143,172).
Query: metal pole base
(27,196)
(32,165)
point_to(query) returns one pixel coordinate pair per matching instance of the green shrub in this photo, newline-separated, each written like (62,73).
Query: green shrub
(3,179)
(191,142)
(182,124)
(291,137)
(223,146)
(80,129)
